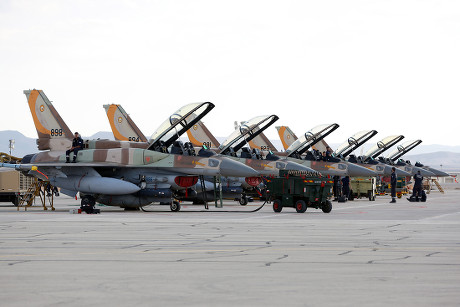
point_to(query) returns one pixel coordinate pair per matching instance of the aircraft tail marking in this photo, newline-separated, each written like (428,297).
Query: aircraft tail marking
(123,127)
(53,133)
(286,135)
(199,135)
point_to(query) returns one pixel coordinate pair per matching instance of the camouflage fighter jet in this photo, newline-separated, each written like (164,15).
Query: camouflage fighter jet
(400,150)
(118,173)
(385,144)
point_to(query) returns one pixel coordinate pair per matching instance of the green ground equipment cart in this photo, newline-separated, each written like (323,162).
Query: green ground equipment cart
(299,190)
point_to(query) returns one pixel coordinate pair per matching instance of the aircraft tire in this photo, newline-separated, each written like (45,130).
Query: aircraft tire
(175,206)
(243,200)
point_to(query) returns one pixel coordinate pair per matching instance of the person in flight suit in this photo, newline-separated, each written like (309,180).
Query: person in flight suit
(393,185)
(77,144)
(346,186)
(417,190)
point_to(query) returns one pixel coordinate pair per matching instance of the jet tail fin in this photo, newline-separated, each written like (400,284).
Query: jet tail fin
(199,135)
(286,135)
(261,142)
(123,127)
(53,133)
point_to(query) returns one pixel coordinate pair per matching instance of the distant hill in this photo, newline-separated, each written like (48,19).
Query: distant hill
(432,155)
(443,160)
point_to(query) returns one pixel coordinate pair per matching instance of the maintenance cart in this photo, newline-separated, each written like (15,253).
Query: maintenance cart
(299,190)
(363,187)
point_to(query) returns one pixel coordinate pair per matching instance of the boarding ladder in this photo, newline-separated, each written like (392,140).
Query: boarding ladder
(37,188)
(438,185)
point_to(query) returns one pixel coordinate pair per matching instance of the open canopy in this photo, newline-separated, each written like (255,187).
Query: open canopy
(178,123)
(403,149)
(382,146)
(246,132)
(310,138)
(354,142)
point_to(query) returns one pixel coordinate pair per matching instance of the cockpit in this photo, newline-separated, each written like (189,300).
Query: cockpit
(177,124)
(310,138)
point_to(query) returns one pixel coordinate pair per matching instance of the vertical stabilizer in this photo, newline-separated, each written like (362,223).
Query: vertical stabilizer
(261,142)
(199,135)
(321,146)
(123,127)
(53,133)
(287,137)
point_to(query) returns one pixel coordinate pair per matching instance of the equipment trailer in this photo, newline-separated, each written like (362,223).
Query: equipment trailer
(300,190)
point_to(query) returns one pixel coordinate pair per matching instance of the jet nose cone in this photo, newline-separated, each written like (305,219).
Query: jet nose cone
(298,167)
(438,172)
(360,171)
(229,167)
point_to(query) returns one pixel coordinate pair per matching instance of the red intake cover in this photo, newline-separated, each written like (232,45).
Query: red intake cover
(253,181)
(186,181)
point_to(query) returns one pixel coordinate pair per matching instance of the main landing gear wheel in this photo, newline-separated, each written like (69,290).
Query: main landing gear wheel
(175,206)
(300,206)
(327,207)
(87,204)
(277,206)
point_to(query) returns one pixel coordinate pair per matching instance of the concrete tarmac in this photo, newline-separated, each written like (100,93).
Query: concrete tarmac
(361,254)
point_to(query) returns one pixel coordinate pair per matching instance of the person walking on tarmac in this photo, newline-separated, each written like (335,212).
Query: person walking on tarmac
(346,186)
(417,190)
(77,144)
(393,185)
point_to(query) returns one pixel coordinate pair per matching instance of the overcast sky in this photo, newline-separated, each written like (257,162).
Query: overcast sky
(392,66)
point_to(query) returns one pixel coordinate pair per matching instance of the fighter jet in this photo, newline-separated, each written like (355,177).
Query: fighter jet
(400,150)
(385,144)
(125,174)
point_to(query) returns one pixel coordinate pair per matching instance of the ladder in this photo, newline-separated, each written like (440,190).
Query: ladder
(438,185)
(36,188)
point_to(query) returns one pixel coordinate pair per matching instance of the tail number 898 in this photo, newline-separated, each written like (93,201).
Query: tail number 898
(56,132)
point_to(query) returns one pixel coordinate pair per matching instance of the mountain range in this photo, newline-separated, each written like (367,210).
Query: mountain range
(438,156)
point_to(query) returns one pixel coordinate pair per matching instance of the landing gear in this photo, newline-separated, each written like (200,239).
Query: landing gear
(87,205)
(175,206)
(243,200)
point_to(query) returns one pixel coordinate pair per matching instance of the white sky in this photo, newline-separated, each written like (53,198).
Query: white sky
(392,66)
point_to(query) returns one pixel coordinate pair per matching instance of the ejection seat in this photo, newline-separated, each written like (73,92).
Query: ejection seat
(189,150)
(271,156)
(309,156)
(352,159)
(177,148)
(245,153)
(256,154)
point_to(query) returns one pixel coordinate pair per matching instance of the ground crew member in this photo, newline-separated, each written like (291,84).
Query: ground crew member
(417,190)
(346,186)
(77,144)
(393,185)
(336,189)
